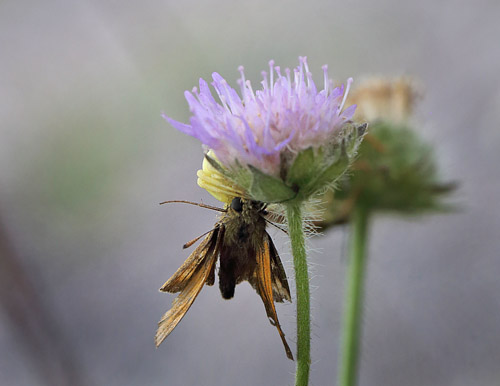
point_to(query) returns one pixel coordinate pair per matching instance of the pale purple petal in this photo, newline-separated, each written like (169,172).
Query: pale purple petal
(349,112)
(186,129)
(230,95)
(205,96)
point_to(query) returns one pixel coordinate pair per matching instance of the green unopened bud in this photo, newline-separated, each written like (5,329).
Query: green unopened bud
(395,171)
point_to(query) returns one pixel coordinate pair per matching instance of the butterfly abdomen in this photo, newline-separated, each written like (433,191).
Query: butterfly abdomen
(227,277)
(244,230)
(236,263)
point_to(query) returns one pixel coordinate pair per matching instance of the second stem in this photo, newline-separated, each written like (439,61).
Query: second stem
(351,330)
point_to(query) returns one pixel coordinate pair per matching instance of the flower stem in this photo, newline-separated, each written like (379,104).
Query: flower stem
(296,231)
(351,330)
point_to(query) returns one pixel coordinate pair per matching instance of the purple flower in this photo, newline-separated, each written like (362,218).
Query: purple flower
(257,127)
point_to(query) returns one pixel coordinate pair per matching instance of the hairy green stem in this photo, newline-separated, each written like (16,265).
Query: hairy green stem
(296,232)
(353,303)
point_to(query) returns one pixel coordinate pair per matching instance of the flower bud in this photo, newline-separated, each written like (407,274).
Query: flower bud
(395,169)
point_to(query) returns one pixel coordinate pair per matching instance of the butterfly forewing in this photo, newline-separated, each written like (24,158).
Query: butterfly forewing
(183,275)
(265,289)
(197,270)
(183,302)
(281,291)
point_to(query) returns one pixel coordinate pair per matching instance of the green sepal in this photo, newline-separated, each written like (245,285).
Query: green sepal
(269,189)
(302,170)
(340,156)
(328,175)
(239,175)
(216,165)
(353,136)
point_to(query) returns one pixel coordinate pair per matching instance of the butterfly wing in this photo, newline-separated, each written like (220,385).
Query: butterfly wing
(189,279)
(281,290)
(180,279)
(264,284)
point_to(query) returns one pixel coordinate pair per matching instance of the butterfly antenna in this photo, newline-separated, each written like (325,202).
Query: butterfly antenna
(196,204)
(189,243)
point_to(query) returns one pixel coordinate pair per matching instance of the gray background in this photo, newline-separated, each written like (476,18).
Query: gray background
(85,158)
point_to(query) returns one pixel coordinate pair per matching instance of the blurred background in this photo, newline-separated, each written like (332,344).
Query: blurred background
(85,158)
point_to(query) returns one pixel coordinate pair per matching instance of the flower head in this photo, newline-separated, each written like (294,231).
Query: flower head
(265,131)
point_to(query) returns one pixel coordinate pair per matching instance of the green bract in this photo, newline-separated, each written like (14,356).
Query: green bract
(309,172)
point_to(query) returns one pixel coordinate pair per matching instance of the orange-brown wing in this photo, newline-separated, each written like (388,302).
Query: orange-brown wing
(181,277)
(191,284)
(183,302)
(265,289)
(281,291)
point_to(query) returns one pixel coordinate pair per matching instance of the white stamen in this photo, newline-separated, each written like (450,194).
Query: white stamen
(289,81)
(349,82)
(242,88)
(242,81)
(264,82)
(271,76)
(325,77)
(241,70)
(298,76)
(249,86)
(309,79)
(303,61)
(301,69)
